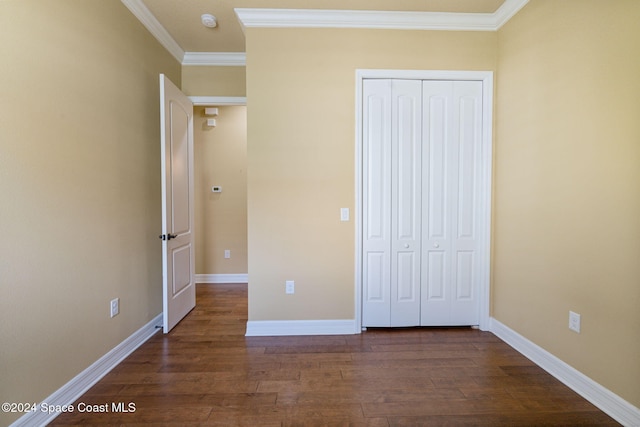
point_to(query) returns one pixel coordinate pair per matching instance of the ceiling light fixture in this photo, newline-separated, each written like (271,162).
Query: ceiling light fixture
(209,20)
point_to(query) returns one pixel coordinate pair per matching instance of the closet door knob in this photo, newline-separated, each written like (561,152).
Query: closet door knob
(436,245)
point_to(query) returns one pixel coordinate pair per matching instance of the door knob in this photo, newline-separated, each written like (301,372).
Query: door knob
(436,245)
(406,246)
(167,236)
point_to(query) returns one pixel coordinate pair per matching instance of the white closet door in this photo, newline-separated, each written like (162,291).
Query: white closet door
(421,157)
(452,134)
(406,130)
(376,202)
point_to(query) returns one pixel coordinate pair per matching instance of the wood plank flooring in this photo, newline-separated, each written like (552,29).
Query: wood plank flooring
(206,372)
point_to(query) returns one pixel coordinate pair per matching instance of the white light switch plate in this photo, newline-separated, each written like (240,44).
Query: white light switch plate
(574,321)
(115,307)
(289,287)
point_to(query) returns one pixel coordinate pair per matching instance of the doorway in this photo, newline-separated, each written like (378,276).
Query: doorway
(220,193)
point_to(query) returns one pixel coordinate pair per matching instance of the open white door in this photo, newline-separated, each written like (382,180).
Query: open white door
(178,262)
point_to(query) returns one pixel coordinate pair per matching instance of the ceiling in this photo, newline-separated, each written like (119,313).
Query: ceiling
(181,18)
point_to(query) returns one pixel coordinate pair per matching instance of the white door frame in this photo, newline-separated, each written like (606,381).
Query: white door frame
(484,235)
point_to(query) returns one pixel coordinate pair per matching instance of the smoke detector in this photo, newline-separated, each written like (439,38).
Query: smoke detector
(209,20)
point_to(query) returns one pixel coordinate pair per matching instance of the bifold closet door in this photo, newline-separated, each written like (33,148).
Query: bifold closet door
(451,141)
(392,132)
(421,165)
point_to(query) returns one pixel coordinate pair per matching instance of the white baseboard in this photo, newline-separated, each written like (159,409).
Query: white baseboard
(267,328)
(222,278)
(607,401)
(71,391)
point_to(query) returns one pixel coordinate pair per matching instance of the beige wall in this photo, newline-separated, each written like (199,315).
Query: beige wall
(213,81)
(301,148)
(80,186)
(221,218)
(567,184)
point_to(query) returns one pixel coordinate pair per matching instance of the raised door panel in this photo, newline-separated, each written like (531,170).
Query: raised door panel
(179,173)
(436,277)
(181,273)
(436,128)
(469,134)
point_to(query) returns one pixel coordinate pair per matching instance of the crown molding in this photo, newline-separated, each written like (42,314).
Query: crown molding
(315,18)
(369,19)
(396,20)
(144,15)
(220,59)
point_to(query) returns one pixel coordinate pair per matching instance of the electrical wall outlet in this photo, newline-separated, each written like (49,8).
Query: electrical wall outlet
(289,287)
(115,307)
(574,321)
(227,253)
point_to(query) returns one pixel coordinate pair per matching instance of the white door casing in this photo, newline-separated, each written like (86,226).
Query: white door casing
(467,240)
(178,261)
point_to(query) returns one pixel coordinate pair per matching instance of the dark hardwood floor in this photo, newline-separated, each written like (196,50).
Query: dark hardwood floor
(206,372)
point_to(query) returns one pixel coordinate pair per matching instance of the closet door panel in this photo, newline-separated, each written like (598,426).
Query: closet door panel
(435,165)
(467,97)
(437,181)
(451,155)
(376,200)
(467,165)
(406,221)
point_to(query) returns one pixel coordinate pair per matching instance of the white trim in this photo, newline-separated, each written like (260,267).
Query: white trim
(222,278)
(425,74)
(216,59)
(71,391)
(144,15)
(607,401)
(374,19)
(485,186)
(218,100)
(262,328)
